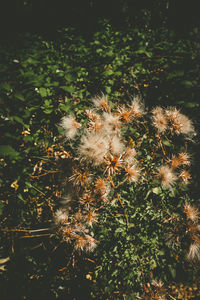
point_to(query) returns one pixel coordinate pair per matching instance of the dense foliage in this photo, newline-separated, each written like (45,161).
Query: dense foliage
(44,80)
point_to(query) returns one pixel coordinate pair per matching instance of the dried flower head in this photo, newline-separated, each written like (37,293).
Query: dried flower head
(68,233)
(185,176)
(116,145)
(191,212)
(91,243)
(78,216)
(80,177)
(173,239)
(137,107)
(173,116)
(61,154)
(95,126)
(113,163)
(91,217)
(80,242)
(125,114)
(111,123)
(194,252)
(158,285)
(159,119)
(94,147)
(160,297)
(180,124)
(129,155)
(95,123)
(132,173)
(187,127)
(184,158)
(87,199)
(180,160)
(102,187)
(61,217)
(193,229)
(70,125)
(91,115)
(167,176)
(101,103)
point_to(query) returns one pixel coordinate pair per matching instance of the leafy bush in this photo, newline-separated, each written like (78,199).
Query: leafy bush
(129,175)
(41,82)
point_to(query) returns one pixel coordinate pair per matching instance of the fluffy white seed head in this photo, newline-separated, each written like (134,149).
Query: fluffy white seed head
(116,145)
(137,107)
(70,125)
(101,103)
(94,147)
(180,124)
(91,243)
(129,155)
(160,121)
(194,252)
(61,217)
(132,173)
(191,212)
(111,123)
(167,176)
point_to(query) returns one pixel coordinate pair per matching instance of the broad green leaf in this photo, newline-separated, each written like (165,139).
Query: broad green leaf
(167,143)
(1,207)
(43,92)
(65,107)
(69,89)
(6,150)
(19,96)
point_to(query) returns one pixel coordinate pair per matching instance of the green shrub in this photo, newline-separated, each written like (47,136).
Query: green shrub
(43,80)
(126,195)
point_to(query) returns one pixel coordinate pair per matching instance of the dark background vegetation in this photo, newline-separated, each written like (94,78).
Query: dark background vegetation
(117,47)
(44,16)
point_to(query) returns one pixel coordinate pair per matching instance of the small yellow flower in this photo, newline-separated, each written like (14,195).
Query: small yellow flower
(14,185)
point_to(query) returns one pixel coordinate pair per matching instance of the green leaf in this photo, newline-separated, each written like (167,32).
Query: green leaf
(108,72)
(109,53)
(5,86)
(32,61)
(108,89)
(65,107)
(157,190)
(191,104)
(69,89)
(48,111)
(6,150)
(54,83)
(19,96)
(28,184)
(28,138)
(178,73)
(69,77)
(172,271)
(17,119)
(167,143)
(43,92)
(1,207)
(21,197)
(187,83)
